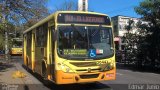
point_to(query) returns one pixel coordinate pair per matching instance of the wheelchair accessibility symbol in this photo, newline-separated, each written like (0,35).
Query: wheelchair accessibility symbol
(92,53)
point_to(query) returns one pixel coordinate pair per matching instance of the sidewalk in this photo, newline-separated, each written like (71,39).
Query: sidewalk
(29,82)
(8,69)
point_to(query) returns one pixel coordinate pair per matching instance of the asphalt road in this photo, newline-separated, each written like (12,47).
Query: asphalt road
(126,79)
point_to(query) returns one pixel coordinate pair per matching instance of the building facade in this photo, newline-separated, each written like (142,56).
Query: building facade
(119,27)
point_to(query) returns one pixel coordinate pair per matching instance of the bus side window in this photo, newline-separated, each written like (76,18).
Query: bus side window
(52,28)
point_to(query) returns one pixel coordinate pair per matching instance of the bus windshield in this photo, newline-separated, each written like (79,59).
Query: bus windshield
(17,43)
(85,42)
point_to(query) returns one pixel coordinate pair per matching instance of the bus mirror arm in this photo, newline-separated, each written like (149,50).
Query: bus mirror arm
(72,25)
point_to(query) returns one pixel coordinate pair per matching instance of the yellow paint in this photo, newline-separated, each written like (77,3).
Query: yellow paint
(18,74)
(24,50)
(16,51)
(75,51)
(49,77)
(48,51)
(33,51)
(49,54)
(68,78)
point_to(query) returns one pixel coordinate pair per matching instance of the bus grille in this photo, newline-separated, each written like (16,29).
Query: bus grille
(89,76)
(85,70)
(84,64)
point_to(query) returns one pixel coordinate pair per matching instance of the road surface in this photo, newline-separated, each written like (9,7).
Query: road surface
(126,79)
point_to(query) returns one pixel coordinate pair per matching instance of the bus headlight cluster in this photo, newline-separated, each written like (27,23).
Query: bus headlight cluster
(111,66)
(107,67)
(65,68)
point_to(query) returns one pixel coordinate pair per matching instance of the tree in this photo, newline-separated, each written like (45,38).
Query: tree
(22,10)
(130,40)
(129,26)
(67,6)
(16,12)
(150,12)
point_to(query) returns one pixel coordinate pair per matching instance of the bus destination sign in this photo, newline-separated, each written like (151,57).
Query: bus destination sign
(91,19)
(83,19)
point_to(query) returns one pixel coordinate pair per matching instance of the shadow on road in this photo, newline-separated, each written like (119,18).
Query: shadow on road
(137,69)
(85,86)
(5,65)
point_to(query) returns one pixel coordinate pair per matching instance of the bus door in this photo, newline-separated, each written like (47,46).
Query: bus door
(52,29)
(50,46)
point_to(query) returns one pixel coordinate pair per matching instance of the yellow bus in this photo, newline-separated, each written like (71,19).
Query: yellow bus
(16,48)
(71,47)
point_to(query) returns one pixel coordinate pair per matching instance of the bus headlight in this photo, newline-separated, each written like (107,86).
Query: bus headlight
(107,67)
(65,68)
(111,66)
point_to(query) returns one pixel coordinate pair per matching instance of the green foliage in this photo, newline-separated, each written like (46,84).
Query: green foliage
(14,13)
(129,26)
(149,43)
(130,40)
(1,42)
(149,10)
(1,26)
(69,5)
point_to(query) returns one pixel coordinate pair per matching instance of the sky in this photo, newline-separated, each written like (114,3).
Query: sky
(109,7)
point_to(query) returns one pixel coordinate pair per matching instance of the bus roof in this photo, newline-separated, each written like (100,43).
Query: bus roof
(56,13)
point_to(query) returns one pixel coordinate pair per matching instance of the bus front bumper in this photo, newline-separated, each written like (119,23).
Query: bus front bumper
(69,78)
